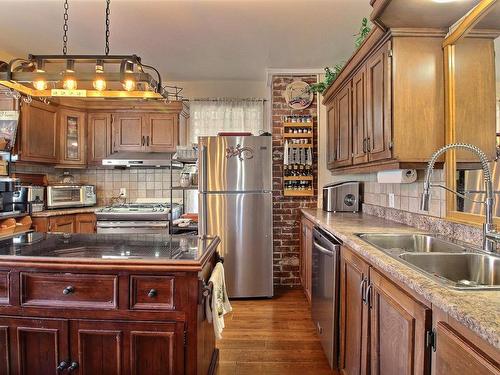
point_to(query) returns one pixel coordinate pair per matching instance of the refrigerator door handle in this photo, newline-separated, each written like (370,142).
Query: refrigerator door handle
(203,190)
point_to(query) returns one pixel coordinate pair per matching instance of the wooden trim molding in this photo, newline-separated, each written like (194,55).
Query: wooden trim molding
(458,31)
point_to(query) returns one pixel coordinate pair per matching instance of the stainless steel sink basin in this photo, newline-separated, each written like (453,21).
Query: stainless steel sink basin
(396,243)
(461,271)
(453,265)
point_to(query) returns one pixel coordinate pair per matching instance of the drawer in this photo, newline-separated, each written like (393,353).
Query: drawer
(69,290)
(4,287)
(152,292)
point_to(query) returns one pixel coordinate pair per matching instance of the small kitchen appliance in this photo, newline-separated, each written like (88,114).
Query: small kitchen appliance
(35,198)
(70,196)
(342,197)
(13,197)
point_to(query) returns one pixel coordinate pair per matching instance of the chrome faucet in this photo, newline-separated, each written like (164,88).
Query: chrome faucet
(490,234)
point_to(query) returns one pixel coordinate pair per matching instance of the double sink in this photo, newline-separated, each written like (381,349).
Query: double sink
(453,265)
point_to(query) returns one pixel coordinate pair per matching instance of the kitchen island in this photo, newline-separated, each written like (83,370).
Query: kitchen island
(105,304)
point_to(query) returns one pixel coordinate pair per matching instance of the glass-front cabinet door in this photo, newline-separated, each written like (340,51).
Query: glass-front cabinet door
(72,140)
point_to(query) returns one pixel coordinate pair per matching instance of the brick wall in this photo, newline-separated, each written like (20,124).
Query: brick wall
(286,210)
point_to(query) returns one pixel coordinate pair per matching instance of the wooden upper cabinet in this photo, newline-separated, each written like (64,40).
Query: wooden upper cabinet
(39,133)
(99,137)
(162,133)
(72,141)
(128,132)
(154,132)
(455,355)
(332,136)
(359,126)
(398,330)
(343,128)
(378,109)
(29,346)
(354,314)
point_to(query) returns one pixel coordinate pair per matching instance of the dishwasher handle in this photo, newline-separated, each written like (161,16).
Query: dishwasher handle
(324,250)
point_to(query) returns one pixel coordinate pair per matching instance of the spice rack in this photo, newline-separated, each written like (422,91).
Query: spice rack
(297,164)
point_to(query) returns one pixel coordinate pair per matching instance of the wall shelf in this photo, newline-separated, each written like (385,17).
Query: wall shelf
(298,178)
(307,125)
(298,193)
(297,135)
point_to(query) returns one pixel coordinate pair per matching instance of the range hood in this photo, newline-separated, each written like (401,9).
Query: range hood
(138,159)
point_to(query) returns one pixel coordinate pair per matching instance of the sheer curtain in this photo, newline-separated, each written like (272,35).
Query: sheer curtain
(210,116)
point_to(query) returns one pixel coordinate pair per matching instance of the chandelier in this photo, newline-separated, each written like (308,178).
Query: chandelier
(84,76)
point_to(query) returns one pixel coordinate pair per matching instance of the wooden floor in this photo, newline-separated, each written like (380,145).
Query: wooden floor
(271,337)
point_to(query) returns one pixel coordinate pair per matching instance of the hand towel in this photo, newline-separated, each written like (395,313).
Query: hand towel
(217,305)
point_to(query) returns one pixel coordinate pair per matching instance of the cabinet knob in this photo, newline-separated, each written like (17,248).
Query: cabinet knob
(68,290)
(62,366)
(152,293)
(73,367)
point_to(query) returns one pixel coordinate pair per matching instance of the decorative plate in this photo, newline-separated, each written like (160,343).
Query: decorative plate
(298,95)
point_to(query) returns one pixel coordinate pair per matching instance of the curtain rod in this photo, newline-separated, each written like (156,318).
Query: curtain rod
(228,100)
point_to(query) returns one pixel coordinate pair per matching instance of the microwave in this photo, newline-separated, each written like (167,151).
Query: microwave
(71,196)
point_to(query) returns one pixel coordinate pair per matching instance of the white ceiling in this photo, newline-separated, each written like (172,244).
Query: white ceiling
(192,39)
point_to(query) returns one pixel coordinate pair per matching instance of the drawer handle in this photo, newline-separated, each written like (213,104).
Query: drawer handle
(69,290)
(152,293)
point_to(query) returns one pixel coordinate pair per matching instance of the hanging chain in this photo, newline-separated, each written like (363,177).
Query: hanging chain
(106,49)
(65,28)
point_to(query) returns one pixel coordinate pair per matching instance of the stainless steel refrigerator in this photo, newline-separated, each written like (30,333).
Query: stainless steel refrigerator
(236,204)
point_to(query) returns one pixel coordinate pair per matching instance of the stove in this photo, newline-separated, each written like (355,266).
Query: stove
(136,217)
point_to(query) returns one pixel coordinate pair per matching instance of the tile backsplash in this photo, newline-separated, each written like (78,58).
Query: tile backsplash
(140,183)
(407,196)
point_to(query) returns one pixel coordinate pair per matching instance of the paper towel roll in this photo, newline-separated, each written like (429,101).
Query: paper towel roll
(397,176)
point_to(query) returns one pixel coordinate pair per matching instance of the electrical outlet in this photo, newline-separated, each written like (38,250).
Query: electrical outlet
(391,200)
(123,192)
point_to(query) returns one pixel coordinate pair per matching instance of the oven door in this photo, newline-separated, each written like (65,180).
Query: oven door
(64,196)
(130,226)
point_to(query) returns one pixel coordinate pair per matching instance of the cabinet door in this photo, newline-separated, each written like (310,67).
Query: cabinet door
(359,137)
(39,133)
(332,138)
(378,108)
(32,346)
(398,329)
(99,139)
(455,355)
(343,128)
(353,314)
(162,133)
(62,224)
(40,224)
(85,223)
(112,348)
(128,132)
(72,149)
(306,265)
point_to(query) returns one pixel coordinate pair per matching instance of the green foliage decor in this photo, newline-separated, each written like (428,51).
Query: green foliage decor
(332,73)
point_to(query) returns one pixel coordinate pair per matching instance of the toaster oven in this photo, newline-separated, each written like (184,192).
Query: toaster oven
(342,197)
(71,196)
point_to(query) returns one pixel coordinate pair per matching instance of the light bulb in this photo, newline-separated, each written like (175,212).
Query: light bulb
(129,84)
(99,84)
(69,84)
(40,84)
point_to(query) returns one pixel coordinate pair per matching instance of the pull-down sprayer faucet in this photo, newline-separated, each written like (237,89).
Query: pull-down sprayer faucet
(490,234)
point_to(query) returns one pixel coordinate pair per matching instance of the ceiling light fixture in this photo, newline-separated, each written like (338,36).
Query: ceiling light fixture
(132,80)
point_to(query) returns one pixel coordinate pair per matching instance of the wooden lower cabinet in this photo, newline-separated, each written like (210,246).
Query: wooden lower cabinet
(102,347)
(74,223)
(32,346)
(382,329)
(353,314)
(306,228)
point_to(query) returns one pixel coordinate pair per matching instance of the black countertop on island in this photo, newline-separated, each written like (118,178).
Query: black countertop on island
(106,248)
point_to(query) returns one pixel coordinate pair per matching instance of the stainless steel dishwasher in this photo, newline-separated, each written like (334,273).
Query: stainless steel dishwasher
(325,291)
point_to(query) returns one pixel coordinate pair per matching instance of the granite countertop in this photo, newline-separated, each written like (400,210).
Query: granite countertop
(477,310)
(65,211)
(104,248)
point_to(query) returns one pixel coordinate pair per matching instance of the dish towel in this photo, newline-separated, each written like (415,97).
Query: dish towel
(217,304)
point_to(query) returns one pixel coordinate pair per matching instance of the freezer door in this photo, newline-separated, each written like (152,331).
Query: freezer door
(243,221)
(235,164)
